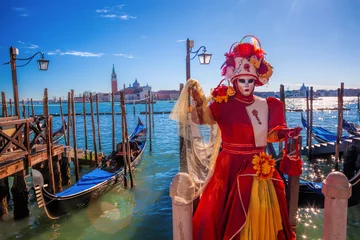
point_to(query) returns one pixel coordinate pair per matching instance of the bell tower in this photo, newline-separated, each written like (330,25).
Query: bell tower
(113,81)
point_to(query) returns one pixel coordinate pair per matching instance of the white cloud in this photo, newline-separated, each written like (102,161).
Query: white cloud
(114,12)
(28,45)
(21,11)
(143,36)
(126,17)
(123,55)
(182,40)
(75,53)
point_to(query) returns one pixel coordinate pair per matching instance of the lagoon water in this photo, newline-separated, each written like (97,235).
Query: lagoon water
(145,211)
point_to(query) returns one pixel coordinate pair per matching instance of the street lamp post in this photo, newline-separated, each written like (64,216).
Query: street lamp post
(42,64)
(204,57)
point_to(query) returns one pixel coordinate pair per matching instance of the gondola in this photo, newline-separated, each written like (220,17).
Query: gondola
(320,134)
(351,128)
(310,193)
(93,184)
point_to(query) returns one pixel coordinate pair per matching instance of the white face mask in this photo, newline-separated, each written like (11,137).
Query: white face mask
(246,85)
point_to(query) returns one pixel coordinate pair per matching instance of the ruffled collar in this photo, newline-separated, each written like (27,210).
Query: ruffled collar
(245,99)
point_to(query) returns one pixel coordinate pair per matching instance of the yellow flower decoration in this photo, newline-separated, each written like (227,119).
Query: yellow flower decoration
(230,91)
(264,166)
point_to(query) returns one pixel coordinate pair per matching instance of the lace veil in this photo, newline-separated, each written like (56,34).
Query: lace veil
(201,142)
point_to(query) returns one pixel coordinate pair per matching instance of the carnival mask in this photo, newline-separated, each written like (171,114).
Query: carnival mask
(245,85)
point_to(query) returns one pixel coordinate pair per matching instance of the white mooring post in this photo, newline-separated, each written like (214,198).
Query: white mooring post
(337,191)
(182,189)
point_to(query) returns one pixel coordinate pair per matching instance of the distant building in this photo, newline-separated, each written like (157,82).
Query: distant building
(167,95)
(113,81)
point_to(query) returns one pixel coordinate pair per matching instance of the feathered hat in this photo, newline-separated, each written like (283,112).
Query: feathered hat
(247,59)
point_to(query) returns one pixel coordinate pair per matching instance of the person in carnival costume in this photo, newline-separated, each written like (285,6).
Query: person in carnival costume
(242,195)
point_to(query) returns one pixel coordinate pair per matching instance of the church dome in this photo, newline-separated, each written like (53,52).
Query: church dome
(136,84)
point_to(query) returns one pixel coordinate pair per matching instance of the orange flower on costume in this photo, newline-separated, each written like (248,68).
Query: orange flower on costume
(264,166)
(221,93)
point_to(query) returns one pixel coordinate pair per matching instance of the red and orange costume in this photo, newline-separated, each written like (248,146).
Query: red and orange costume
(235,204)
(242,196)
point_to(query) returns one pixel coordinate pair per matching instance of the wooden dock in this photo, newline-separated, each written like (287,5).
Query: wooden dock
(19,149)
(328,148)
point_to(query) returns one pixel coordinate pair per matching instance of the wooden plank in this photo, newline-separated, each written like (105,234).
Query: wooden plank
(14,122)
(4,119)
(10,169)
(12,155)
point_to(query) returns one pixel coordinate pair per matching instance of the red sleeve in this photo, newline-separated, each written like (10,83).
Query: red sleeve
(276,113)
(215,110)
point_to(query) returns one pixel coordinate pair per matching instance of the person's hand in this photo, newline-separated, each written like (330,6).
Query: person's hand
(196,96)
(289,132)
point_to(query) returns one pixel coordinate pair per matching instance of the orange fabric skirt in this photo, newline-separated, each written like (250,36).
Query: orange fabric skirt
(236,205)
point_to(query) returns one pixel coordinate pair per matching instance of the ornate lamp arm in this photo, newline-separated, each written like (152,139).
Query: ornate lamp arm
(197,52)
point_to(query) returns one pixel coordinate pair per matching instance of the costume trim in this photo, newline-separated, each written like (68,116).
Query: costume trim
(237,144)
(243,152)
(242,205)
(258,113)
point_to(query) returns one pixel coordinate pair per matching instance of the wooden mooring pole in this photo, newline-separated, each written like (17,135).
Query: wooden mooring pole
(32,108)
(20,196)
(307,118)
(49,146)
(358,101)
(65,165)
(134,107)
(11,108)
(98,121)
(113,121)
(63,121)
(310,123)
(85,130)
(127,152)
(339,126)
(23,108)
(76,160)
(149,111)
(152,111)
(123,144)
(282,99)
(4,193)
(28,108)
(183,163)
(4,105)
(93,128)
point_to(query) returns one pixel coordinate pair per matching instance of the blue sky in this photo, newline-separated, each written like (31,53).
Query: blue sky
(315,42)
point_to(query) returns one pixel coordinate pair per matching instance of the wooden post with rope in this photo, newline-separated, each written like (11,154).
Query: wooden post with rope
(183,163)
(126,136)
(76,159)
(113,122)
(63,120)
(93,128)
(134,107)
(123,144)
(32,108)
(11,108)
(152,111)
(85,130)
(339,125)
(98,121)
(49,141)
(23,108)
(310,123)
(28,108)
(150,130)
(307,119)
(4,105)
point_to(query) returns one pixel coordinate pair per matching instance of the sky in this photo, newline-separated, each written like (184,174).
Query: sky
(307,41)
